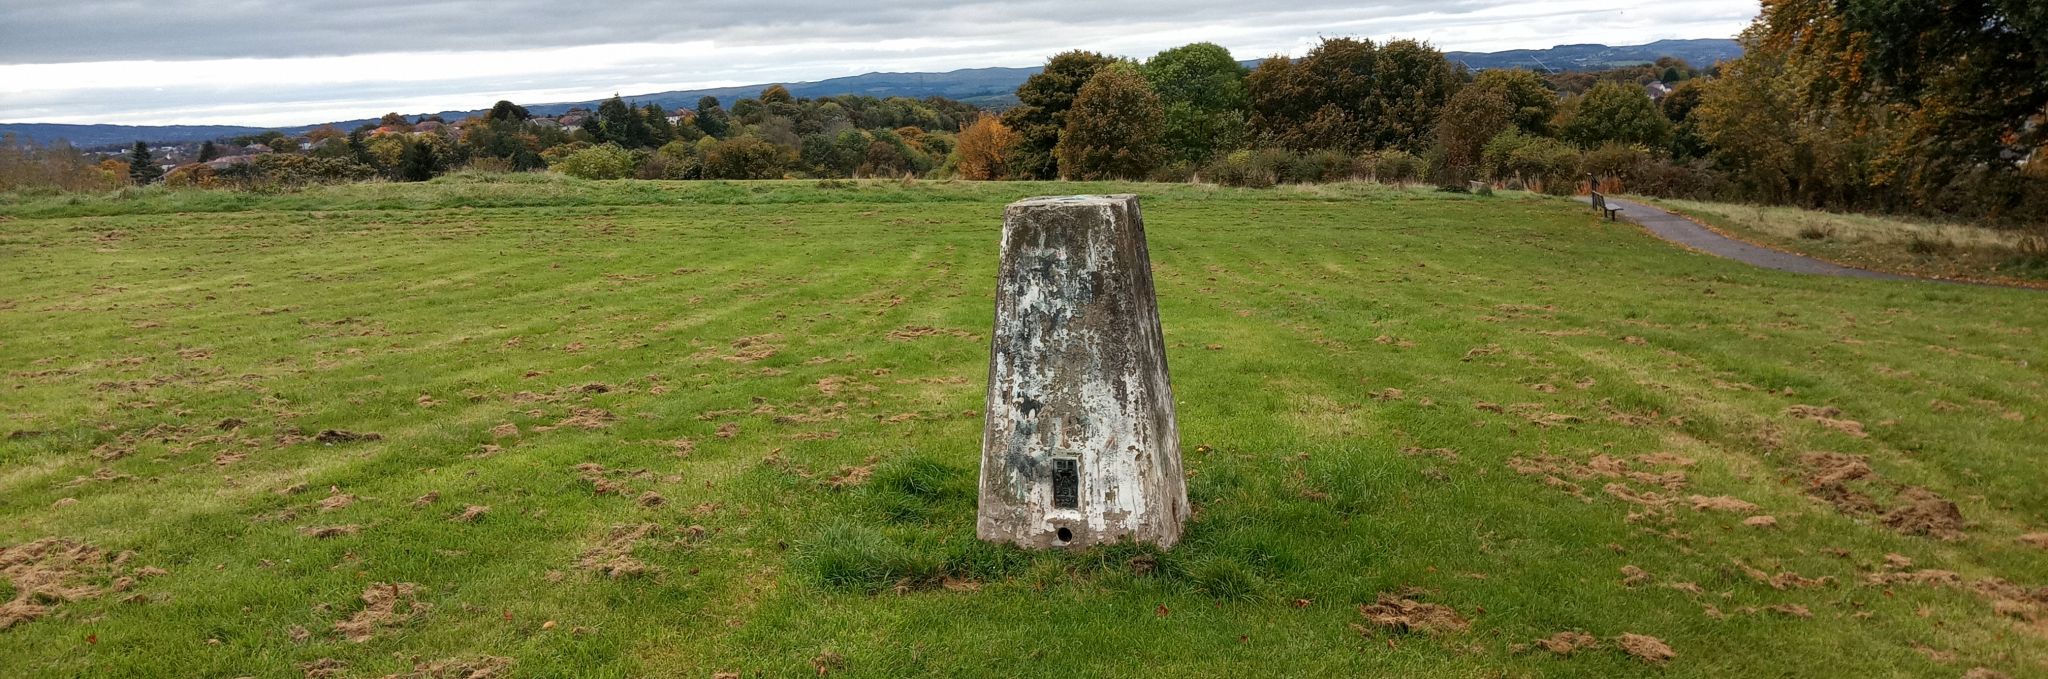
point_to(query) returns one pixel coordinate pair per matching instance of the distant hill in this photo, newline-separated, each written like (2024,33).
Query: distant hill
(993,88)
(1701,53)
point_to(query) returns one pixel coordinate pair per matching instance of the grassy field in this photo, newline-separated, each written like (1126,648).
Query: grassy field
(543,427)
(1896,244)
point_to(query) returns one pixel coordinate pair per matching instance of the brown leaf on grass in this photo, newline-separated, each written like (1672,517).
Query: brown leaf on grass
(911,332)
(1761,521)
(828,661)
(1646,648)
(430,498)
(1791,610)
(470,514)
(1398,613)
(728,430)
(1632,576)
(2035,540)
(385,605)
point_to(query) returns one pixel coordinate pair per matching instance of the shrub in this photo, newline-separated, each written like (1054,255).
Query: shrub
(1616,161)
(674,160)
(1396,167)
(1239,168)
(747,157)
(1536,162)
(606,161)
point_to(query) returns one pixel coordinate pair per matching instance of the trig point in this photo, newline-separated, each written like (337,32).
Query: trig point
(1081,447)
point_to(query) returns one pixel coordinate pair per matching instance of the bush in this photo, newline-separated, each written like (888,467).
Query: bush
(1239,168)
(674,160)
(1617,162)
(1318,167)
(1396,167)
(606,161)
(1540,163)
(747,157)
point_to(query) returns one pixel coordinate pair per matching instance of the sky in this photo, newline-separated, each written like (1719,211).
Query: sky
(296,62)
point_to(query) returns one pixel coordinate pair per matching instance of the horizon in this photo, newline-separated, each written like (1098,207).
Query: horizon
(271,81)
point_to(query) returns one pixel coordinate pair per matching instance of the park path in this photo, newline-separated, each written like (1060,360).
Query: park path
(1682,231)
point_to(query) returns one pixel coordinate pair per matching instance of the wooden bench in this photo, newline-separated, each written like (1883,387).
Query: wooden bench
(1600,205)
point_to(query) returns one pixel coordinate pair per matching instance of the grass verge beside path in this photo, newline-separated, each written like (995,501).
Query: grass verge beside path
(653,429)
(1890,244)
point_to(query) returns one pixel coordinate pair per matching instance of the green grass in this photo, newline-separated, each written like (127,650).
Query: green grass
(833,527)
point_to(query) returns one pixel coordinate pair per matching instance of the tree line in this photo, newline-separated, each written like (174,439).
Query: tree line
(1850,104)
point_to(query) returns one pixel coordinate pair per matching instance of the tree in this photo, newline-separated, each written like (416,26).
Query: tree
(1474,116)
(142,168)
(1349,95)
(207,151)
(1040,115)
(1968,81)
(1113,129)
(1202,90)
(1414,83)
(1677,108)
(1618,113)
(505,111)
(983,148)
(615,122)
(422,157)
(1533,101)
(711,118)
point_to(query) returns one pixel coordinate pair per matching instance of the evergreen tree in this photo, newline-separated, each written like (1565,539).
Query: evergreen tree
(507,111)
(142,168)
(711,118)
(1041,112)
(207,151)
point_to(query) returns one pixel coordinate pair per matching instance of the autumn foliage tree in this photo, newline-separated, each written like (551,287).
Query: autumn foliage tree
(1113,129)
(983,148)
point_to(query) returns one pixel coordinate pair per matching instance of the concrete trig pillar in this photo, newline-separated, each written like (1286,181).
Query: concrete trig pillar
(1080,447)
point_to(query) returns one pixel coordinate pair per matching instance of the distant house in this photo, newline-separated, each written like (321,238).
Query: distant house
(224,162)
(1657,90)
(254,149)
(427,126)
(571,119)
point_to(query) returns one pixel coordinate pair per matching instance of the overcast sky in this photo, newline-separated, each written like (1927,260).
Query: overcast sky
(291,62)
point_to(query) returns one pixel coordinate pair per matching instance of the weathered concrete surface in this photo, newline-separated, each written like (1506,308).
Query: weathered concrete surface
(1077,383)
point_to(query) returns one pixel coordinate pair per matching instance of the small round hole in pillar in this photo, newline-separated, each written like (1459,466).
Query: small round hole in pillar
(1064,534)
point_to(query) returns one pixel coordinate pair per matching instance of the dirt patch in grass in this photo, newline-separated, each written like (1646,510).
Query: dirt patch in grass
(1567,643)
(385,605)
(470,514)
(911,332)
(1830,417)
(1841,481)
(324,532)
(1646,648)
(614,556)
(486,667)
(1400,613)
(333,436)
(45,573)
